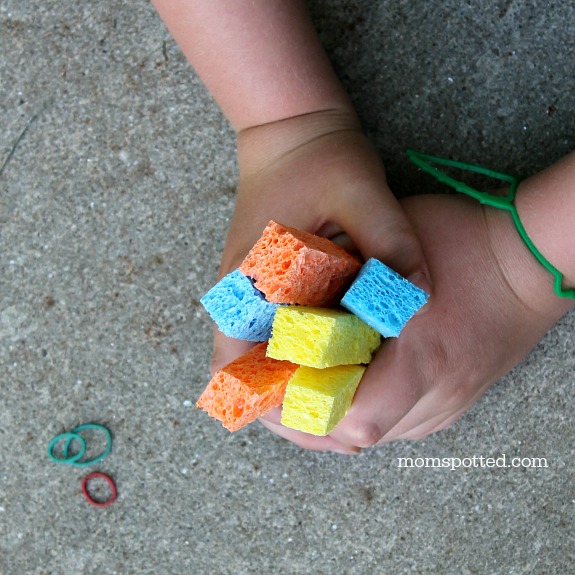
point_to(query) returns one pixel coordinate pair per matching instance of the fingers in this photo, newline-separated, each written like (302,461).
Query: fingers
(378,406)
(388,391)
(272,422)
(378,226)
(434,412)
(426,416)
(433,425)
(387,400)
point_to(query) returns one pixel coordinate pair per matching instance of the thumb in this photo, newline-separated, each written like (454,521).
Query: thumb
(378,226)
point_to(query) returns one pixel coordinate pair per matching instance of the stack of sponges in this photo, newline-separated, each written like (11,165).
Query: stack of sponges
(285,291)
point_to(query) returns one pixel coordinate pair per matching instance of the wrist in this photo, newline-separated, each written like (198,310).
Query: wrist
(313,172)
(546,206)
(547,201)
(528,280)
(263,145)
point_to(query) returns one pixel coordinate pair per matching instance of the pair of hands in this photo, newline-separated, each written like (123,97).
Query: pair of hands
(319,173)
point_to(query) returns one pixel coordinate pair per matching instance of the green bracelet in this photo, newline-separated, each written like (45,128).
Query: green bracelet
(507,202)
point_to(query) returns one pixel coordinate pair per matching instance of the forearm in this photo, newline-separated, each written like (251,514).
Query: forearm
(260,59)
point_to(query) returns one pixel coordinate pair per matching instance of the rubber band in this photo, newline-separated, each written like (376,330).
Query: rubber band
(108,480)
(106,451)
(506,202)
(70,436)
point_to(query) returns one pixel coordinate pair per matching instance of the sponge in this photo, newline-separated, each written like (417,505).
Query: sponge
(317,399)
(383,299)
(318,337)
(239,309)
(246,388)
(296,267)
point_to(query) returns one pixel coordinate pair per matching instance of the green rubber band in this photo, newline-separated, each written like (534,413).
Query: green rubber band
(506,202)
(106,451)
(70,436)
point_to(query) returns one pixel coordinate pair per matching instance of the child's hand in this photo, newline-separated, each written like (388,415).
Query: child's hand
(491,304)
(305,163)
(317,173)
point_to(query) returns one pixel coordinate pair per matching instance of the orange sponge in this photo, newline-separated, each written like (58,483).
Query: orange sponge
(246,388)
(295,267)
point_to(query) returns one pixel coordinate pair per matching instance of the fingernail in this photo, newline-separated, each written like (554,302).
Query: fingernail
(342,451)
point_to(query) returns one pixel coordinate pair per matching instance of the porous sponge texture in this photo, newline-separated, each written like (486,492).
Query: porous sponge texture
(295,267)
(320,337)
(239,309)
(316,400)
(246,388)
(383,299)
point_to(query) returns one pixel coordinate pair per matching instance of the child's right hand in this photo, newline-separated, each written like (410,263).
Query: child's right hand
(492,302)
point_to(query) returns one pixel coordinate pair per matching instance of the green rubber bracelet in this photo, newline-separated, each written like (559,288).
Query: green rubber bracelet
(507,202)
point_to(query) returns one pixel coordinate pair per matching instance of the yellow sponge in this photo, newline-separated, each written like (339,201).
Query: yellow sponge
(317,399)
(320,337)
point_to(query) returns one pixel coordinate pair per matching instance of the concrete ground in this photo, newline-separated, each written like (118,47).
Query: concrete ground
(116,188)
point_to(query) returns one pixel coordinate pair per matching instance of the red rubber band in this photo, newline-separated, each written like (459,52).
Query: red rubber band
(108,480)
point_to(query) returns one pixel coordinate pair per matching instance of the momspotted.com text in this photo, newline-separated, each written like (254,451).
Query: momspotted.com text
(474,461)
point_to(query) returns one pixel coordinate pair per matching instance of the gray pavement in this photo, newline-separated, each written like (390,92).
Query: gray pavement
(116,189)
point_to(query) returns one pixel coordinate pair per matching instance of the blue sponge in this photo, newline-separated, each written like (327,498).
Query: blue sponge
(382,298)
(239,309)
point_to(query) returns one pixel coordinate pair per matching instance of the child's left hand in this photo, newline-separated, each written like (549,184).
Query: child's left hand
(317,173)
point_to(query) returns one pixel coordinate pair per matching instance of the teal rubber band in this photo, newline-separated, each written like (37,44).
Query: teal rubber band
(106,451)
(507,202)
(70,436)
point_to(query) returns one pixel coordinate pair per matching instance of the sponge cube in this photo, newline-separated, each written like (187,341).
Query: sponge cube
(317,399)
(383,299)
(246,388)
(319,337)
(295,267)
(239,309)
